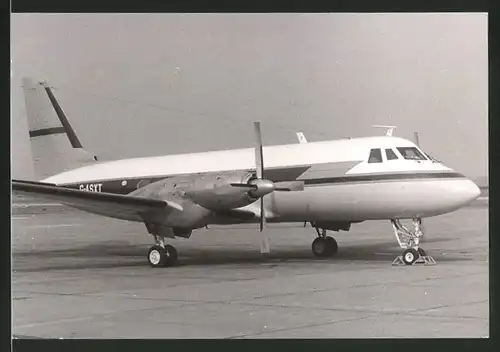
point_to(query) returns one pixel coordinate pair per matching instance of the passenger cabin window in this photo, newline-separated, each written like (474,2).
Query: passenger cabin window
(389,153)
(411,153)
(375,156)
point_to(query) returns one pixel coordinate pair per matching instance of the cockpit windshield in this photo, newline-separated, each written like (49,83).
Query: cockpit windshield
(411,153)
(430,157)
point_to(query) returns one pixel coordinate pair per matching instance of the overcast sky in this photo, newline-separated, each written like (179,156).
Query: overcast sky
(140,85)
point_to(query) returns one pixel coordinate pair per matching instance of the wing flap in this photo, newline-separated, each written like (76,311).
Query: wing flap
(114,205)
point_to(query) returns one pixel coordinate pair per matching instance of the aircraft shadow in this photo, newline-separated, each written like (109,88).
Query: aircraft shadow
(115,254)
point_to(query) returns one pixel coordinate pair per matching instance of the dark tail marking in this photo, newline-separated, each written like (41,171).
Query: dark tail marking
(47,131)
(75,142)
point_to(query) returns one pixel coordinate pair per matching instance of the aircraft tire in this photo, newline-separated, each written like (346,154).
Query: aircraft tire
(332,245)
(320,247)
(410,256)
(157,256)
(171,254)
(422,252)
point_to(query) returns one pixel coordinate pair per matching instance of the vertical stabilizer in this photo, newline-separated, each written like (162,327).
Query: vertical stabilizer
(54,144)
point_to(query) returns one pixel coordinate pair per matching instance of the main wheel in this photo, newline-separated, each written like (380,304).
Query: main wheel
(332,245)
(320,247)
(410,256)
(157,256)
(171,254)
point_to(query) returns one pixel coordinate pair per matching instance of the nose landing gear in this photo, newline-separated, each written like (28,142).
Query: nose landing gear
(409,241)
(324,246)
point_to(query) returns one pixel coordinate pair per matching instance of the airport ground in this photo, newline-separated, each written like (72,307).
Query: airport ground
(77,275)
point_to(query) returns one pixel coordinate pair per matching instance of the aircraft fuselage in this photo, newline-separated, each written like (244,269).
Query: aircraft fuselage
(341,184)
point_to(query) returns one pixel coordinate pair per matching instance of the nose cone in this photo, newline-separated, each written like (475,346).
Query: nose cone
(469,191)
(450,195)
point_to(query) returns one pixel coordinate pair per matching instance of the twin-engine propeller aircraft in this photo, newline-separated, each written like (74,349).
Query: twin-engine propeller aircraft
(330,184)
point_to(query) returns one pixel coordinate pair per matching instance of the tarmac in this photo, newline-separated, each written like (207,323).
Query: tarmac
(77,275)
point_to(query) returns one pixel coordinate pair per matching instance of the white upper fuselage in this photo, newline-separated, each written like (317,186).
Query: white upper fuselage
(289,155)
(332,190)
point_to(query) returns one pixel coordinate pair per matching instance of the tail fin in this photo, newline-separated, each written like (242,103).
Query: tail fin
(54,144)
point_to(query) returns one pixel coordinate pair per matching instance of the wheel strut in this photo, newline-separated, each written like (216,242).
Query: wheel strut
(409,241)
(320,232)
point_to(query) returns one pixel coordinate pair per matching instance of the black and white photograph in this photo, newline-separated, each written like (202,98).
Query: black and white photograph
(249,175)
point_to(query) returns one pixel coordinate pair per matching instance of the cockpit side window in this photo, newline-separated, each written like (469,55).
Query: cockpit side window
(389,153)
(411,153)
(375,156)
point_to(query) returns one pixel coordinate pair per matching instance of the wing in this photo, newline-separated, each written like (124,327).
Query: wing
(113,205)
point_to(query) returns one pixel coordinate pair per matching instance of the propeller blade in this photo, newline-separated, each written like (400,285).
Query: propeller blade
(291,185)
(259,169)
(262,216)
(243,185)
(283,189)
(265,248)
(294,187)
(264,244)
(259,157)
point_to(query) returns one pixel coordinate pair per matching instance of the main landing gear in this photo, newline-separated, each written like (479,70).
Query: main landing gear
(161,254)
(324,246)
(409,241)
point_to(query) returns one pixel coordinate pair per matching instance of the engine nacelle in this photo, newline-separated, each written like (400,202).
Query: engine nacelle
(215,192)
(198,195)
(222,197)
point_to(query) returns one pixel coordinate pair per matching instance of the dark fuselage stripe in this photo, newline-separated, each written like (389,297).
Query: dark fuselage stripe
(47,131)
(115,186)
(382,177)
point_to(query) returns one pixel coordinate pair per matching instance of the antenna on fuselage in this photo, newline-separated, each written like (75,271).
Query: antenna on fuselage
(302,139)
(390,129)
(416,139)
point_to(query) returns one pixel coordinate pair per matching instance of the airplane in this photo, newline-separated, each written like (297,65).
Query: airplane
(329,184)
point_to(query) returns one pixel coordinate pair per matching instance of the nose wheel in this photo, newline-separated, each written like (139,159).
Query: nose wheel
(324,246)
(410,256)
(409,241)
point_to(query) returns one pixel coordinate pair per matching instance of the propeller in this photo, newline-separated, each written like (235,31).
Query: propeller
(259,186)
(259,167)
